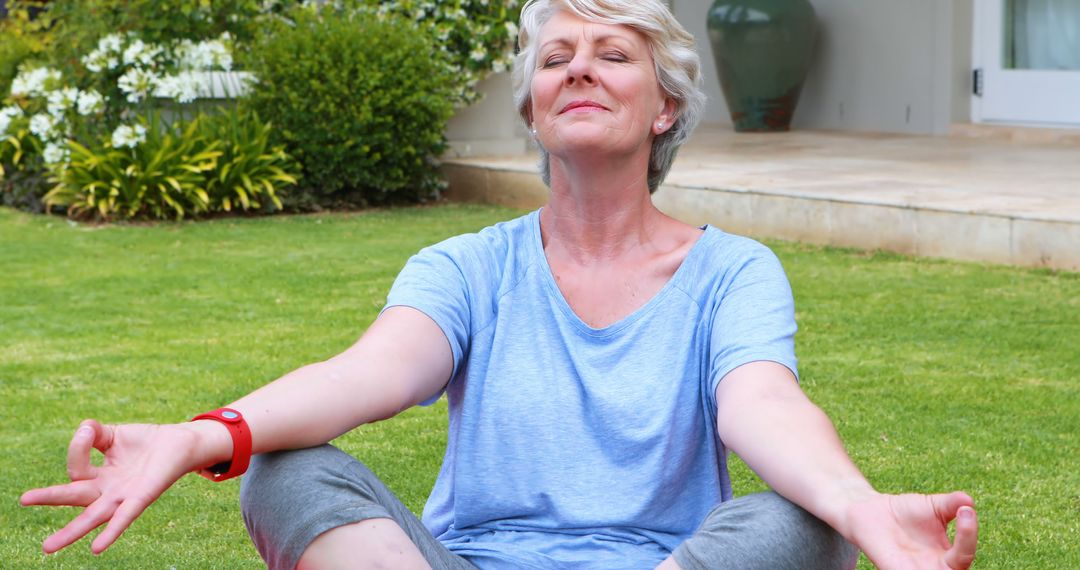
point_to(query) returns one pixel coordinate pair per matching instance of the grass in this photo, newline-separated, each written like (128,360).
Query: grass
(939,375)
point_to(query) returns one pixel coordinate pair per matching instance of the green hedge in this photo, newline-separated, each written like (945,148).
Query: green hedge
(360,100)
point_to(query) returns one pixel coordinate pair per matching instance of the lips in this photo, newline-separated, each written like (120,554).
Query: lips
(583,105)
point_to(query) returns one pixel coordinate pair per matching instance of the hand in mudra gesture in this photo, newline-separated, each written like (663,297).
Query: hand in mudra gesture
(902,532)
(141,462)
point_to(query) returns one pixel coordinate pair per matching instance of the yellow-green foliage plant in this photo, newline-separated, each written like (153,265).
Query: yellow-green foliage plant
(250,170)
(143,171)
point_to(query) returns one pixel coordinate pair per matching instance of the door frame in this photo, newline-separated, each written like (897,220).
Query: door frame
(1016,96)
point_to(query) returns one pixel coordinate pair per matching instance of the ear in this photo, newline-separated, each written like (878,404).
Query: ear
(528,116)
(666,117)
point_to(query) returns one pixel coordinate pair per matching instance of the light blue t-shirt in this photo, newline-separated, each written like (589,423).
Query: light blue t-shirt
(576,447)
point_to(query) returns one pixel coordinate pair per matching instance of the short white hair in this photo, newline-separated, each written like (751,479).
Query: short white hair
(678,67)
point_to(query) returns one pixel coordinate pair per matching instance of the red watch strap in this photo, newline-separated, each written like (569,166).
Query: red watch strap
(241,438)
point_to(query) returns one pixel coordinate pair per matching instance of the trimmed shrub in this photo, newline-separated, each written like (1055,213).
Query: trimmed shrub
(360,100)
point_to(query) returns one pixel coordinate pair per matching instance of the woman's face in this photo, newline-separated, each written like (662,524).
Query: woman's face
(595,89)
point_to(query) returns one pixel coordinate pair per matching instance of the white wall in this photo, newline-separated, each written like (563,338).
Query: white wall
(880,65)
(491,126)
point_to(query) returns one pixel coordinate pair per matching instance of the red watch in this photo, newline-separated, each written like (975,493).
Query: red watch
(241,451)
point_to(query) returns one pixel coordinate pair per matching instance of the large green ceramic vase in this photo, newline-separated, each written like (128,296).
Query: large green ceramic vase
(762,50)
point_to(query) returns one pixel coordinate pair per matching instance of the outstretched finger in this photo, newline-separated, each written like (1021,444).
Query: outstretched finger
(79,466)
(962,553)
(94,516)
(123,517)
(77,494)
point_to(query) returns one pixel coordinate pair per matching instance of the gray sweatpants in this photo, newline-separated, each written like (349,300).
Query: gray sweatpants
(290,498)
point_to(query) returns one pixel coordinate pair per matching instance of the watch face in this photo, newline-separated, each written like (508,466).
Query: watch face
(220,468)
(230,415)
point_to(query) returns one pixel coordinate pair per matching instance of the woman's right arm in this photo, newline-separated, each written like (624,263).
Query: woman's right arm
(402,360)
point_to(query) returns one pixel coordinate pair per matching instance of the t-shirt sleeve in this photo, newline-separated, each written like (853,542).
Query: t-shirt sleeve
(754,318)
(433,282)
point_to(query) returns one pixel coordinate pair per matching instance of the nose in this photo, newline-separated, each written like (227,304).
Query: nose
(580,70)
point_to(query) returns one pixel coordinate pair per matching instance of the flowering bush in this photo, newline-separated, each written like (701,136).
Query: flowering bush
(24,35)
(99,77)
(108,149)
(77,25)
(478,35)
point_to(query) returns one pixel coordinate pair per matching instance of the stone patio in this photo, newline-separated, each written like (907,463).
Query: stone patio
(995,195)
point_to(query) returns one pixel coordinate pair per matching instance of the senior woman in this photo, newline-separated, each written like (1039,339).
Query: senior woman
(599,358)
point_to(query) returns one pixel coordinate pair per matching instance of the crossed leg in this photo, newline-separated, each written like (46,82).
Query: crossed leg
(321,508)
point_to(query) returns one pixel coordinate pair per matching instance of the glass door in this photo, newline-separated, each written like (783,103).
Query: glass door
(1027,60)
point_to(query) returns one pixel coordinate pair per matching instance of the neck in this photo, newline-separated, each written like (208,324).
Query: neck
(598,211)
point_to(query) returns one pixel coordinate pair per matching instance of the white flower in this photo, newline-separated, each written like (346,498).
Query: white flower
(184,87)
(477,54)
(7,114)
(33,83)
(55,153)
(111,43)
(137,83)
(128,136)
(61,100)
(133,51)
(205,55)
(92,61)
(42,125)
(139,52)
(512,30)
(96,61)
(90,102)
(105,55)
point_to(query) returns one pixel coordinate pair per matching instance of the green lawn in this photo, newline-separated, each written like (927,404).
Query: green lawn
(939,375)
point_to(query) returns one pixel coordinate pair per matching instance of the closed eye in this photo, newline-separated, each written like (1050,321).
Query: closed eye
(554,61)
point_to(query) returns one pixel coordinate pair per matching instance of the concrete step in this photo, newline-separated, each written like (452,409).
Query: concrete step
(961,198)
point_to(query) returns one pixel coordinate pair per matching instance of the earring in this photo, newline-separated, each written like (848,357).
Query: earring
(533,131)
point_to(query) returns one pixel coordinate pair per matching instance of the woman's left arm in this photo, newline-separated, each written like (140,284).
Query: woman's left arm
(765,418)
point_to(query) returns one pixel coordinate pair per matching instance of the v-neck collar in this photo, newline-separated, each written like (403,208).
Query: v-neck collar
(549,277)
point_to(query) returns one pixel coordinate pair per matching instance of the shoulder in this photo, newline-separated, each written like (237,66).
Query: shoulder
(494,239)
(732,247)
(723,262)
(725,255)
(493,252)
